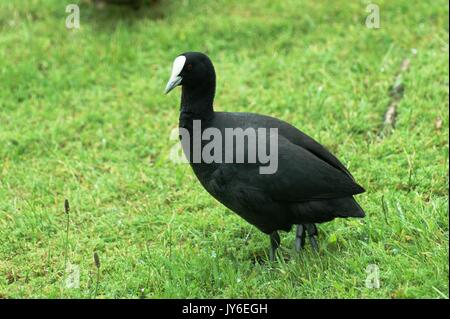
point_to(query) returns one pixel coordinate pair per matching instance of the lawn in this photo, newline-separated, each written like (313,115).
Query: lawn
(83,117)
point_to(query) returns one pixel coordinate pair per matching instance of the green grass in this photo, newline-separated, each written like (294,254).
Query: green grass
(83,117)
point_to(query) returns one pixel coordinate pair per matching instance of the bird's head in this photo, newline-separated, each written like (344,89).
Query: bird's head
(192,70)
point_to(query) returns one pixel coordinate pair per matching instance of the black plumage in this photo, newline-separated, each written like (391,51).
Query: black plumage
(310,185)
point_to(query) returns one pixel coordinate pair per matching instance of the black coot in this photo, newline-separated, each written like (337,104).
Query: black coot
(305,185)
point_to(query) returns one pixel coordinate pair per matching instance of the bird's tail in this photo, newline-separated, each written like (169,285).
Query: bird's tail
(347,207)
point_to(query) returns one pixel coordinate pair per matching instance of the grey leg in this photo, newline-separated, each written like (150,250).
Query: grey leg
(274,244)
(312,234)
(300,237)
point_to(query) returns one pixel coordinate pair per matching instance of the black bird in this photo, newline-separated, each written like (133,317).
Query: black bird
(310,185)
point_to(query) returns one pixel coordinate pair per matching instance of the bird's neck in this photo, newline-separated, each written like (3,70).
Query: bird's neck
(197,102)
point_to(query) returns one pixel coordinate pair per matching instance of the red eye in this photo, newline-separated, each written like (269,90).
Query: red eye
(189,67)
